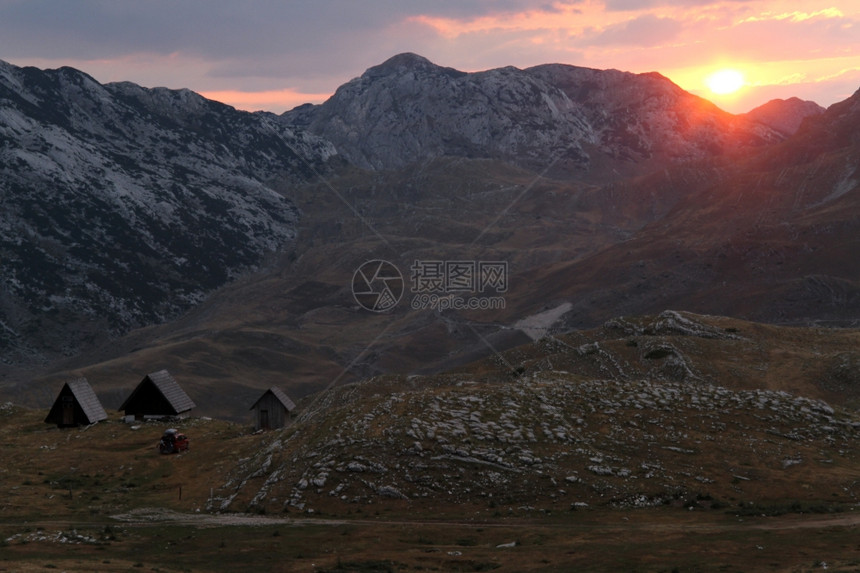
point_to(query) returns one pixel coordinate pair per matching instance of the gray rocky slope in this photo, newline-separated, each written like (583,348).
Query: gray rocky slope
(122,206)
(566,119)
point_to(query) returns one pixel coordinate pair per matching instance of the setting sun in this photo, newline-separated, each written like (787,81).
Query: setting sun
(725,81)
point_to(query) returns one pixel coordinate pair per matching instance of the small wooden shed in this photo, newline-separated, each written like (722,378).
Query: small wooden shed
(158,395)
(272,409)
(76,405)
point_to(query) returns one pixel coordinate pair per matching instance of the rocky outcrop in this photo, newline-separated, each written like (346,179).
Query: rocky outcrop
(539,443)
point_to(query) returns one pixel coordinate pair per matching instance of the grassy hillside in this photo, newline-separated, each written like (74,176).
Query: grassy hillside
(820,363)
(447,474)
(651,443)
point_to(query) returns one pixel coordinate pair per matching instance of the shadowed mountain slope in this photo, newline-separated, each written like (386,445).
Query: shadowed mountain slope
(772,237)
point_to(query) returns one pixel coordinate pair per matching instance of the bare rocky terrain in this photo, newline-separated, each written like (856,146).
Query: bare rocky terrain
(568,424)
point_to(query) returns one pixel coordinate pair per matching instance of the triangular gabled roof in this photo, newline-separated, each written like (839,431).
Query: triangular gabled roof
(88,400)
(85,397)
(282,398)
(167,386)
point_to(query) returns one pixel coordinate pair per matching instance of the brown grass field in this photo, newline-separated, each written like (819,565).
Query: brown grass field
(102,499)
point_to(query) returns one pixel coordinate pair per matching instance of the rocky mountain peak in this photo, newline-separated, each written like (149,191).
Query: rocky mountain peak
(785,115)
(405,62)
(408,110)
(566,118)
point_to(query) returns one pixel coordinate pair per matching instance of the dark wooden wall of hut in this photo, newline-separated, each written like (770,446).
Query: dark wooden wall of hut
(55,415)
(148,401)
(275,411)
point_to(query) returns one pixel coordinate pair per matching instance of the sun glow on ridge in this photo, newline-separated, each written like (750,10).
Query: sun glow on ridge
(725,81)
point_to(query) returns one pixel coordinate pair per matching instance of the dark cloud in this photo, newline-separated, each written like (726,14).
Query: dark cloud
(211,28)
(237,39)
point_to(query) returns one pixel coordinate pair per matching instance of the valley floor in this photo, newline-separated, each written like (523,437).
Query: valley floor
(609,540)
(102,499)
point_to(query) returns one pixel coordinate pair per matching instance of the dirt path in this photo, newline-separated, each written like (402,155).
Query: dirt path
(151,516)
(148,516)
(818,522)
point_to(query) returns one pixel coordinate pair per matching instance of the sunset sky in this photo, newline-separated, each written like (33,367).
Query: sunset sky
(274,55)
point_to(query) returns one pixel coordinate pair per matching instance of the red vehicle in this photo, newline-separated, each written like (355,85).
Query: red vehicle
(173,442)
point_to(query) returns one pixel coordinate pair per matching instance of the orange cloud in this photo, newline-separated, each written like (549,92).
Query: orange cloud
(272,100)
(797,15)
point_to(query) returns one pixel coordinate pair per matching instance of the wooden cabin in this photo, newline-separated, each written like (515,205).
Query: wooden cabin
(272,410)
(76,405)
(157,396)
